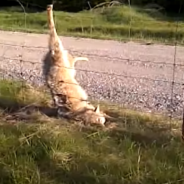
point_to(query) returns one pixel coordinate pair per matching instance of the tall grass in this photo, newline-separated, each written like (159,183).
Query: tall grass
(121,23)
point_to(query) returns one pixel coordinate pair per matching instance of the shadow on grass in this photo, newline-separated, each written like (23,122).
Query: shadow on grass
(35,148)
(47,154)
(144,139)
(144,129)
(84,169)
(140,128)
(21,101)
(60,174)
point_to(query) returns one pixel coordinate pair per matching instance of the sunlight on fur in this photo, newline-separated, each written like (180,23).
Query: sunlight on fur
(59,70)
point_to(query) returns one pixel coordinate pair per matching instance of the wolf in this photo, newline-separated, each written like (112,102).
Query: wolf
(69,97)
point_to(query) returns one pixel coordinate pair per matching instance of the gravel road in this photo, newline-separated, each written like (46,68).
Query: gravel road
(139,76)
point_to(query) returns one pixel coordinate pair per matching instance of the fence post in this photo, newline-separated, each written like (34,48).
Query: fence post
(182,128)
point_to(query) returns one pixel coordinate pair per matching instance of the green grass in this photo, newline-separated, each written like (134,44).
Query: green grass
(142,149)
(119,23)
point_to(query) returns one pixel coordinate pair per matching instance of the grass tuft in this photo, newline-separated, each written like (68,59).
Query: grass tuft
(142,149)
(17,94)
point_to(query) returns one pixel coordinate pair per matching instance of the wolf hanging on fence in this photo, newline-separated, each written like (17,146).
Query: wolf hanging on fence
(68,96)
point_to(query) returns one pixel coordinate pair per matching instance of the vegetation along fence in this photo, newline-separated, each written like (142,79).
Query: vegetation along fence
(145,77)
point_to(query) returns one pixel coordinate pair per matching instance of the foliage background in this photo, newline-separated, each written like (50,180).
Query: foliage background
(170,6)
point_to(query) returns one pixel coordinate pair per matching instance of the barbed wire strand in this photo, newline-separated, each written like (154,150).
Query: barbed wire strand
(99,56)
(100,72)
(25,82)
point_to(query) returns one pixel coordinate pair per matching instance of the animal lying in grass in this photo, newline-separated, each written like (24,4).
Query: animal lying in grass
(68,96)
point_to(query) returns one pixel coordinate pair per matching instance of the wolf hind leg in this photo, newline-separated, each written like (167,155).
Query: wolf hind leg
(76,59)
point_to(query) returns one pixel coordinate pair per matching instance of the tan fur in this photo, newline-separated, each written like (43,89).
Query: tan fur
(72,62)
(54,37)
(70,98)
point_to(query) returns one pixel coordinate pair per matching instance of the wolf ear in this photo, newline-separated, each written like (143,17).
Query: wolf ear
(97,109)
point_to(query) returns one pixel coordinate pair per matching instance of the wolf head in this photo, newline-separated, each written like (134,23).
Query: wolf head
(100,116)
(95,116)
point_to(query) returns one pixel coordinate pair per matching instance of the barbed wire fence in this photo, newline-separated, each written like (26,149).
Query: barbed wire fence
(30,71)
(144,93)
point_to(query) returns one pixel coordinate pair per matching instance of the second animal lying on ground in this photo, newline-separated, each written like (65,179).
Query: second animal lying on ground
(59,70)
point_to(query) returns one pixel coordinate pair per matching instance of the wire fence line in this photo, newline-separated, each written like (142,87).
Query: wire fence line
(143,93)
(92,71)
(93,55)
